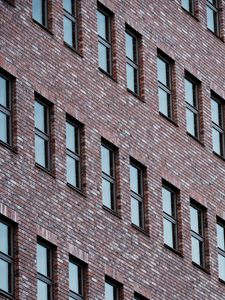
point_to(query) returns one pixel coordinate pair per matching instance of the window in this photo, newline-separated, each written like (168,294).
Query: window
(70,23)
(164,86)
(132,61)
(170,217)
(111,290)
(192,115)
(75,280)
(137,194)
(73,158)
(104,41)
(221,249)
(108,176)
(217,126)
(42,134)
(189,5)
(40,11)
(6,257)
(5,110)
(138,297)
(213,16)
(197,235)
(44,271)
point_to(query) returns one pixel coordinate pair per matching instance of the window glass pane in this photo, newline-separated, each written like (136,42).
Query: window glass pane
(109,292)
(210,19)
(130,46)
(102,19)
(134,179)
(4,127)
(40,151)
(169,233)
(186,4)
(4,239)
(71,170)
(220,237)
(216,112)
(75,278)
(37,10)
(42,290)
(196,251)
(164,102)
(103,57)
(4,276)
(131,78)
(195,226)
(106,156)
(107,194)
(42,260)
(3,92)
(136,212)
(40,116)
(217,142)
(162,72)
(189,92)
(167,202)
(68,31)
(71,138)
(191,122)
(221,265)
(68,6)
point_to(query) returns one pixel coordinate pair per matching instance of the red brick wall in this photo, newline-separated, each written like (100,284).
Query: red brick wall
(44,205)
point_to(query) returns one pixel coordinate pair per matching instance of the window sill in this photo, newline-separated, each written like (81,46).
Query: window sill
(139,229)
(173,250)
(135,95)
(196,139)
(73,49)
(45,170)
(216,35)
(13,149)
(201,268)
(76,190)
(111,212)
(43,27)
(219,156)
(107,74)
(168,119)
(6,295)
(190,14)
(11,2)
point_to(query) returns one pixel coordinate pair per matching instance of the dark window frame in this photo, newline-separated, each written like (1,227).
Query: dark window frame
(135,64)
(9,258)
(138,297)
(219,128)
(74,19)
(191,7)
(107,43)
(44,14)
(81,279)
(167,88)
(45,135)
(200,237)
(194,109)
(111,179)
(47,279)
(172,219)
(8,110)
(215,9)
(139,197)
(115,285)
(74,155)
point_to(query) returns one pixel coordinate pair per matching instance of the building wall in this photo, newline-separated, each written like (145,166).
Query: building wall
(42,204)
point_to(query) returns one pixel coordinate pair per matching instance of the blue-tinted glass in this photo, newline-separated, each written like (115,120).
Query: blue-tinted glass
(71,137)
(217,141)
(4,127)
(42,260)
(109,292)
(211,19)
(168,233)
(130,40)
(216,112)
(74,280)
(72,171)
(42,290)
(4,239)
(186,4)
(38,11)
(4,276)
(68,31)
(195,224)
(106,160)
(221,265)
(136,212)
(162,71)
(3,92)
(191,122)
(103,53)
(167,202)
(189,92)
(196,251)
(102,21)
(134,180)
(220,237)
(132,78)
(40,116)
(68,5)
(40,151)
(107,193)
(164,102)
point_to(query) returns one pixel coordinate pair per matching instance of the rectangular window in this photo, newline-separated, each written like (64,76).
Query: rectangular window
(197,235)
(40,11)
(44,271)
(111,290)
(42,134)
(70,23)
(108,176)
(132,61)
(6,257)
(138,297)
(137,194)
(189,5)
(221,249)
(170,223)
(76,284)
(213,16)
(164,86)
(192,114)
(217,126)
(73,158)
(5,110)
(104,41)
